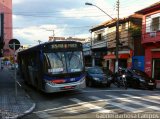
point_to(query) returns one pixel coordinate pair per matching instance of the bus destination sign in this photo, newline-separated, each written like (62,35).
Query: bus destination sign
(59,46)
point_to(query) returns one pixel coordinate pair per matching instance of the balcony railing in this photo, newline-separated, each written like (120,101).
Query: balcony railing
(110,40)
(151,37)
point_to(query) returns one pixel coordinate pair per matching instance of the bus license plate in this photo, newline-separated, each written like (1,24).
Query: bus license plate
(68,87)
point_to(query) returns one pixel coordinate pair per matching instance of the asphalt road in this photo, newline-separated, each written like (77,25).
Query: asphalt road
(94,103)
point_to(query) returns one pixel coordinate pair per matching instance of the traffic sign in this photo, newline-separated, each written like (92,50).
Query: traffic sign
(14,44)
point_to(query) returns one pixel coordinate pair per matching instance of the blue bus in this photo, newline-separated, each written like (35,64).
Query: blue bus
(53,66)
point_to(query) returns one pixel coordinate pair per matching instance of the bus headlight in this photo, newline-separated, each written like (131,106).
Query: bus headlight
(49,82)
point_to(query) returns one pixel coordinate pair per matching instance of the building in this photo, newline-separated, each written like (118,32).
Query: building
(82,40)
(51,38)
(87,54)
(104,42)
(6,27)
(151,40)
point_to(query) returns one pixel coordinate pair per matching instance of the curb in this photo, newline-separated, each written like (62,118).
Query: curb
(27,111)
(31,108)
(29,98)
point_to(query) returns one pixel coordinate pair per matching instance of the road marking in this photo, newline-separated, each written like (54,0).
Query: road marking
(18,83)
(55,109)
(71,111)
(151,96)
(135,102)
(141,98)
(108,101)
(68,110)
(112,90)
(96,98)
(156,94)
(90,106)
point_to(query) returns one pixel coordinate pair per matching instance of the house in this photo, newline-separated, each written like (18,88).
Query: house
(151,40)
(104,42)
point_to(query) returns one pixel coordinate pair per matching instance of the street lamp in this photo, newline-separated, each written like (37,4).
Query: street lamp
(117,30)
(99,9)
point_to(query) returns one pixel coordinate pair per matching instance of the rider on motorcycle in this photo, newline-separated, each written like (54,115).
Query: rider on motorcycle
(120,78)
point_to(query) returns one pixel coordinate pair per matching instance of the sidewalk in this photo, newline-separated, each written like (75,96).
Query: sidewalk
(12,106)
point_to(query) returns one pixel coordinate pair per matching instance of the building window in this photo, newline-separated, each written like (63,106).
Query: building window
(153,22)
(155,26)
(148,24)
(99,37)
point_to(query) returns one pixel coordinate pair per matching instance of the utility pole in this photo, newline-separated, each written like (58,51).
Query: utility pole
(92,53)
(117,37)
(117,30)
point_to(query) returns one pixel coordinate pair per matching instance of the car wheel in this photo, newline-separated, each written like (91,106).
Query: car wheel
(90,84)
(126,86)
(86,83)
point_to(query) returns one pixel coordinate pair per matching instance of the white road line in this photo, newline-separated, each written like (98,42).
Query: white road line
(156,94)
(108,101)
(90,106)
(135,102)
(54,109)
(96,98)
(141,98)
(112,90)
(151,96)
(70,110)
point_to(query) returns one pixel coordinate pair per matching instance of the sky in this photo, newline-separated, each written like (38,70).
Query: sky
(35,20)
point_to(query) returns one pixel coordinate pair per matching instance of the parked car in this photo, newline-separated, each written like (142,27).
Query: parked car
(96,76)
(139,79)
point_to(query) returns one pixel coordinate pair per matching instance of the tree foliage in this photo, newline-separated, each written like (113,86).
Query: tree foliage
(135,32)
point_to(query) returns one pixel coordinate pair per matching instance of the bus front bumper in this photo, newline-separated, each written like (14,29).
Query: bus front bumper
(51,88)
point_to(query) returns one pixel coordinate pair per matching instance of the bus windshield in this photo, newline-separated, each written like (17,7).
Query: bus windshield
(63,62)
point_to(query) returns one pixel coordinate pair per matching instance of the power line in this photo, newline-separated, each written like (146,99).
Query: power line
(47,28)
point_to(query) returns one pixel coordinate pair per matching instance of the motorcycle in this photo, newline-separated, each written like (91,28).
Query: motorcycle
(120,80)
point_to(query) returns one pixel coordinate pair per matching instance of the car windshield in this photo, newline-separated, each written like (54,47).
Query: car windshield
(95,71)
(63,62)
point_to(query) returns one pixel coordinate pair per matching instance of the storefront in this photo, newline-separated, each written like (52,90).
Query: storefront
(156,65)
(152,63)
(151,40)
(124,60)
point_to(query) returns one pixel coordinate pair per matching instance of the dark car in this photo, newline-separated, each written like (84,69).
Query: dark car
(96,76)
(139,79)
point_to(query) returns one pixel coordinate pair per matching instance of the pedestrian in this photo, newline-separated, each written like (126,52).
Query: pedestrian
(1,68)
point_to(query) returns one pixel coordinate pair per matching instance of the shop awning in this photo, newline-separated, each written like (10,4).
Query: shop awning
(120,56)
